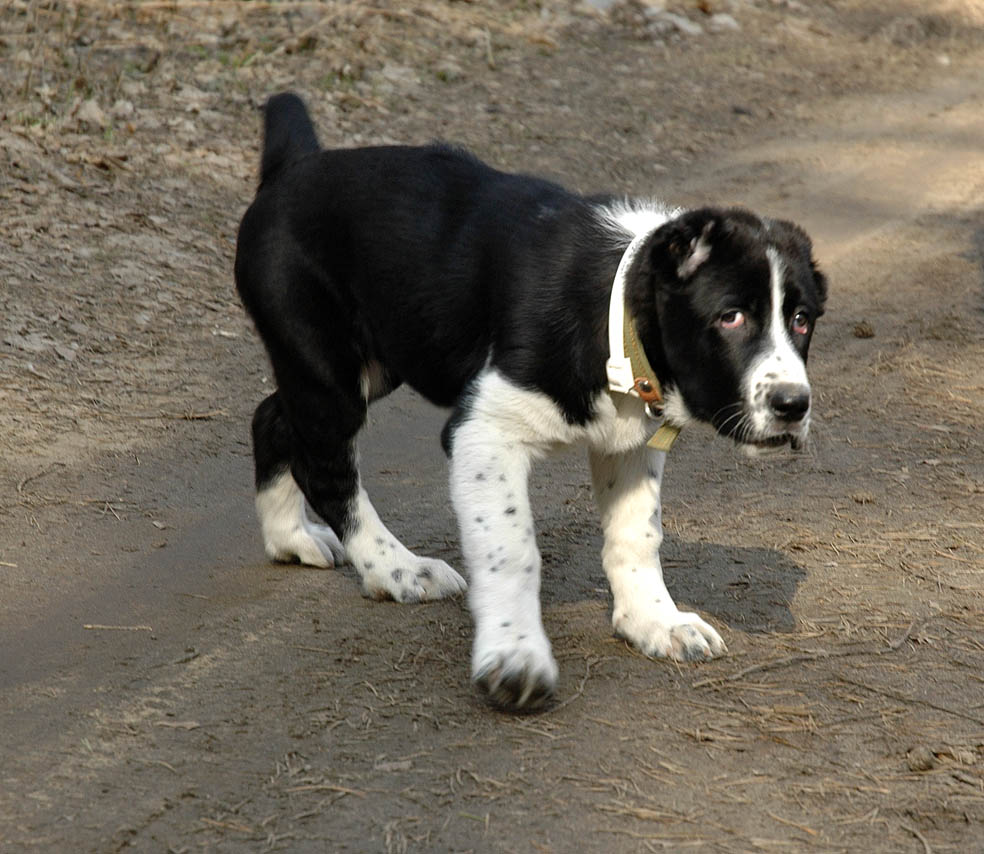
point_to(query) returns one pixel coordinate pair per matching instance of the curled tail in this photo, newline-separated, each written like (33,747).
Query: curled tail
(288,134)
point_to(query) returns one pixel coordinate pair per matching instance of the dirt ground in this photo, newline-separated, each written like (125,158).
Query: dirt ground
(164,688)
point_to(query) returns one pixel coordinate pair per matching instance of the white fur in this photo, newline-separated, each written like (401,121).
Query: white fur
(675,409)
(372,381)
(387,568)
(533,419)
(780,363)
(489,469)
(632,217)
(493,451)
(627,488)
(288,533)
(700,251)
(506,430)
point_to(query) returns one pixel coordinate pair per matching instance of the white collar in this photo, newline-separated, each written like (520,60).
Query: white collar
(621,377)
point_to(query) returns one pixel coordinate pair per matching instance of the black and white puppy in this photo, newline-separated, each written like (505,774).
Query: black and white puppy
(492,294)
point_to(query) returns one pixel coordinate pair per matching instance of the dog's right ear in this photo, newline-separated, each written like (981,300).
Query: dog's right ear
(679,248)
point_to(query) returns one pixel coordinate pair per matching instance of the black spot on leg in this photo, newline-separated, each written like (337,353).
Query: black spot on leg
(502,478)
(510,511)
(425,574)
(491,555)
(480,476)
(380,541)
(528,569)
(397,575)
(521,637)
(506,624)
(369,564)
(479,520)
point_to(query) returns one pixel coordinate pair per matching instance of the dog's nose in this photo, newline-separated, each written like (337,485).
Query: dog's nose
(790,401)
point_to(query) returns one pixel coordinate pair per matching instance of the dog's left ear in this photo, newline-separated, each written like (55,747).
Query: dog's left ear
(820,280)
(798,242)
(680,248)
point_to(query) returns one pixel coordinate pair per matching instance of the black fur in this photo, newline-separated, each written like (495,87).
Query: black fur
(288,134)
(432,264)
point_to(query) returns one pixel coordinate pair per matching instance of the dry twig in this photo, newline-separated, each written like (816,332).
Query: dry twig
(926,847)
(819,655)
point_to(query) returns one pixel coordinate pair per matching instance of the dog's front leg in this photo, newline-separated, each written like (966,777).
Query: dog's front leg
(627,488)
(511,658)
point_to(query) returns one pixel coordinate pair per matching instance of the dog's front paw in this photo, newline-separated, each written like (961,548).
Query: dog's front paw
(679,635)
(411,580)
(517,674)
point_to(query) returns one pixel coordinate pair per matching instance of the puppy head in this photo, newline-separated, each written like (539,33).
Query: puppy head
(736,299)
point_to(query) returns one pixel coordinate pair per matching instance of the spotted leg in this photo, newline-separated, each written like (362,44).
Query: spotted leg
(511,658)
(627,488)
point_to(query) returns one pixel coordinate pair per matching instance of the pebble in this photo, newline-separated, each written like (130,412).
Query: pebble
(681,23)
(721,22)
(91,114)
(920,758)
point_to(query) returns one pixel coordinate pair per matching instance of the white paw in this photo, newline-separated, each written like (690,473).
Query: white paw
(679,635)
(308,543)
(514,669)
(408,578)
(288,532)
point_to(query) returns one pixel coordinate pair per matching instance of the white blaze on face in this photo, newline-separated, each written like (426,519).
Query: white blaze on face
(779,364)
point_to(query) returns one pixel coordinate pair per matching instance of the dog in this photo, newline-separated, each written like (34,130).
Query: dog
(541,318)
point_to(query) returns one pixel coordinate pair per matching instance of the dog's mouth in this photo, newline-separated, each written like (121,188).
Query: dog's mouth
(756,445)
(774,441)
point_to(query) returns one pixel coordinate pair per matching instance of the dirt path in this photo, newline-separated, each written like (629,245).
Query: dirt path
(247,706)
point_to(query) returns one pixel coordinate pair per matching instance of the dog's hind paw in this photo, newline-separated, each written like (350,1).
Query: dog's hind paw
(681,636)
(311,544)
(519,678)
(410,580)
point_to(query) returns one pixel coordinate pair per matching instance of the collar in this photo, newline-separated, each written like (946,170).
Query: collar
(629,371)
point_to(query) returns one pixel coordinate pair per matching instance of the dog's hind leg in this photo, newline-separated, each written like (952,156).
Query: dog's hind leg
(310,424)
(289,534)
(388,569)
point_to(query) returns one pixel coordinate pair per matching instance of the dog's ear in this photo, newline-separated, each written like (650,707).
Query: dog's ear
(679,248)
(798,243)
(820,280)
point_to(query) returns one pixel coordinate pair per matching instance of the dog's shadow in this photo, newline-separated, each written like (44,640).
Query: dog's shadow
(749,589)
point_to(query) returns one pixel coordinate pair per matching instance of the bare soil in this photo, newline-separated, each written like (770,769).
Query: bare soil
(165,688)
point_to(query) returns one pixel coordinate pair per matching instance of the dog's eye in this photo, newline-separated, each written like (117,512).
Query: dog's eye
(801,323)
(731,319)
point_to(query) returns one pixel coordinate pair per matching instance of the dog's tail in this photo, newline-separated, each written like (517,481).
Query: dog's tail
(288,134)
